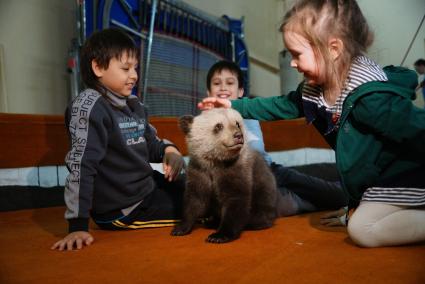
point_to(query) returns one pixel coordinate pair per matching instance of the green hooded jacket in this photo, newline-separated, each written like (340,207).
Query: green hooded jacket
(381,133)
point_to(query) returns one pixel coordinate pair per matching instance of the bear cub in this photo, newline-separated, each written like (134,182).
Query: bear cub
(226,180)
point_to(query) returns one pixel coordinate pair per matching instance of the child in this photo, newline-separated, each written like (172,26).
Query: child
(301,192)
(420,68)
(112,144)
(376,131)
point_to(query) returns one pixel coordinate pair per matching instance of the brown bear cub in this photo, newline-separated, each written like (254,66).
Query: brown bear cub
(226,180)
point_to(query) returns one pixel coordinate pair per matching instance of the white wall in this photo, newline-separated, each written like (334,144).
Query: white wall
(264,41)
(261,23)
(394,23)
(35,36)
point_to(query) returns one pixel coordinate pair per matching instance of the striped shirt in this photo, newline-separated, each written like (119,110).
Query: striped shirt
(362,70)
(396,196)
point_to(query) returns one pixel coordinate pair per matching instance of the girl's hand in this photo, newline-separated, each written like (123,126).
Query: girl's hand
(212,102)
(172,163)
(74,240)
(335,218)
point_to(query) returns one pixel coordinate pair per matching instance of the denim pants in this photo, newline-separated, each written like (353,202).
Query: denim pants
(306,193)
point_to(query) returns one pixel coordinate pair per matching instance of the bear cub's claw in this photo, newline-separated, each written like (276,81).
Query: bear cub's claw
(180,231)
(218,238)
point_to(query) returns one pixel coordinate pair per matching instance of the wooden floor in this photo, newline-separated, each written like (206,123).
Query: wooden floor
(296,250)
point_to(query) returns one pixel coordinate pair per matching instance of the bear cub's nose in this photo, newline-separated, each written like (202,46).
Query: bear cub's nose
(238,137)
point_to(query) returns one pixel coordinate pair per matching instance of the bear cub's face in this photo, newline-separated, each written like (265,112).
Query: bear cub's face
(214,135)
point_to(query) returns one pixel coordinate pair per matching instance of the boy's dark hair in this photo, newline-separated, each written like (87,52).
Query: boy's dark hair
(101,47)
(419,62)
(225,65)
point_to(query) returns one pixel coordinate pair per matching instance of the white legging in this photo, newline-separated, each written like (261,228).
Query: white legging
(376,224)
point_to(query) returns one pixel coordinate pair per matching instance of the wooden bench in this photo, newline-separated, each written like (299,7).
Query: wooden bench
(41,140)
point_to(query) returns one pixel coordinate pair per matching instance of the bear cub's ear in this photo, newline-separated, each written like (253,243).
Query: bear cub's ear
(185,123)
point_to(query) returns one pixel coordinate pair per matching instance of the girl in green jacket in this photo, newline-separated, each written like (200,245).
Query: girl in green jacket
(365,114)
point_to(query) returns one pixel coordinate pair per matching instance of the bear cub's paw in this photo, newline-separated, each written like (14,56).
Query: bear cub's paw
(219,238)
(180,230)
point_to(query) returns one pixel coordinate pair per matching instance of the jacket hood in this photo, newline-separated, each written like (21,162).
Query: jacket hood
(401,76)
(401,81)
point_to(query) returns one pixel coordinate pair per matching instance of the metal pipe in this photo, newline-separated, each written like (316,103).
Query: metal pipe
(148,56)
(130,30)
(413,39)
(198,13)
(81,22)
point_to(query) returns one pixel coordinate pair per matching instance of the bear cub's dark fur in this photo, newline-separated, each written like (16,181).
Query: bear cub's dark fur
(226,180)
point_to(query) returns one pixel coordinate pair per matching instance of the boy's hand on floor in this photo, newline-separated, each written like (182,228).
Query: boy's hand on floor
(335,218)
(74,240)
(173,163)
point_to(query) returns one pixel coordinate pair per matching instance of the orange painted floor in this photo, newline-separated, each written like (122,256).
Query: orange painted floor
(295,250)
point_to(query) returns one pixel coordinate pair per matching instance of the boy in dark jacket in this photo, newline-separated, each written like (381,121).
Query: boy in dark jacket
(112,146)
